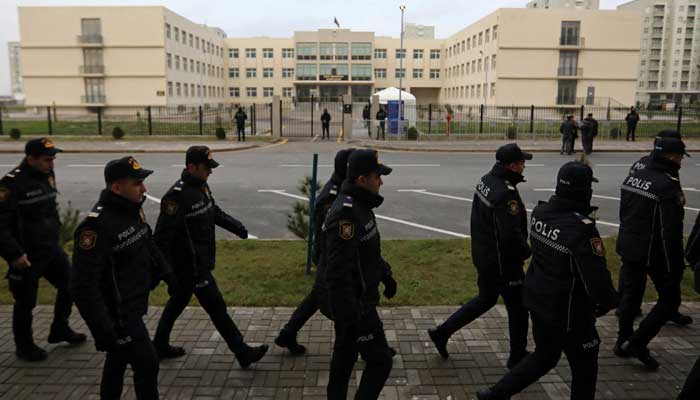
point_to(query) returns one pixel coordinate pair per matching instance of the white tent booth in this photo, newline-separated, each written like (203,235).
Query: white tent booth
(409,101)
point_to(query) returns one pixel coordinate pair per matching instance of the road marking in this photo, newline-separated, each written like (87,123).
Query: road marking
(612,165)
(331,166)
(398,221)
(534,165)
(86,165)
(157,200)
(618,199)
(8,165)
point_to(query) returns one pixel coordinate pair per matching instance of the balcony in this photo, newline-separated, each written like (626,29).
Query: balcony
(90,40)
(566,100)
(570,72)
(93,99)
(572,41)
(92,70)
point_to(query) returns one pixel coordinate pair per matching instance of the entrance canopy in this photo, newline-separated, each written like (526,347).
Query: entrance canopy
(392,93)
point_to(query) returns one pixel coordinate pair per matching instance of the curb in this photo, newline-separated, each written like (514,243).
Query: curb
(441,150)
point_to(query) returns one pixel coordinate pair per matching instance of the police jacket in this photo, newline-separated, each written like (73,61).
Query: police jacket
(240,118)
(29,221)
(568,128)
(568,276)
(692,249)
(353,256)
(325,199)
(186,227)
(589,127)
(381,115)
(640,164)
(651,216)
(115,266)
(326,118)
(632,118)
(499,226)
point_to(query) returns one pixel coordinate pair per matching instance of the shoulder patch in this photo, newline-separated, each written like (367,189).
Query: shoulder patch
(87,240)
(95,212)
(52,182)
(346,229)
(513,207)
(673,178)
(680,199)
(4,194)
(178,186)
(598,247)
(585,219)
(170,207)
(347,202)
(510,187)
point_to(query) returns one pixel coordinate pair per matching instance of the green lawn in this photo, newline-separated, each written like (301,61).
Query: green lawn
(271,273)
(132,127)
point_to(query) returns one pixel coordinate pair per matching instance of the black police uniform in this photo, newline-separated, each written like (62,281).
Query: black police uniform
(691,389)
(185,233)
(115,265)
(567,285)
(240,118)
(589,130)
(381,118)
(308,307)
(325,125)
(650,241)
(499,249)
(354,269)
(30,224)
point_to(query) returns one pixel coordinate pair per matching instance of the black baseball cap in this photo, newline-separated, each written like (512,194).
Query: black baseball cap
(670,145)
(668,133)
(363,162)
(575,175)
(509,153)
(125,167)
(40,147)
(200,155)
(341,162)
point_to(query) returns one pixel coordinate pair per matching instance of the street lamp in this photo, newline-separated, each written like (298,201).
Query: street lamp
(486,72)
(401,52)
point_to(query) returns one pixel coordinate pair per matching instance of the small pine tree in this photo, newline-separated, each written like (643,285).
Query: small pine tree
(69,221)
(298,220)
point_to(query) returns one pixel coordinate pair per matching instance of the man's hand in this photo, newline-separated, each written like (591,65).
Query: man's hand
(21,263)
(243,234)
(390,287)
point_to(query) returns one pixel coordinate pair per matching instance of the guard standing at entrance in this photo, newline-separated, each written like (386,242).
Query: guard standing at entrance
(325,124)
(240,118)
(381,118)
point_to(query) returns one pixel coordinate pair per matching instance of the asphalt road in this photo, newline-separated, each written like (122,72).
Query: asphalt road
(427,196)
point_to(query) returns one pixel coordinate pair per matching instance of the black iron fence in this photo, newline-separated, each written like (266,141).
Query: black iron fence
(301,117)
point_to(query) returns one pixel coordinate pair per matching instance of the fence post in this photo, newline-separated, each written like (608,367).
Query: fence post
(150,121)
(430,117)
(312,206)
(48,115)
(1,129)
(608,112)
(312,115)
(532,118)
(680,120)
(582,111)
(99,121)
(200,121)
(481,118)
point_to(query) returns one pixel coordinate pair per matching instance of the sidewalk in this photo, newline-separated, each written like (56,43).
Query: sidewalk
(478,356)
(138,146)
(554,146)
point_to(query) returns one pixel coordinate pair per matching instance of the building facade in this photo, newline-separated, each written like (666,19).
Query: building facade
(580,4)
(669,70)
(119,57)
(16,85)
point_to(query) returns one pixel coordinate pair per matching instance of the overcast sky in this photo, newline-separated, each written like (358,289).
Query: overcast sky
(280,18)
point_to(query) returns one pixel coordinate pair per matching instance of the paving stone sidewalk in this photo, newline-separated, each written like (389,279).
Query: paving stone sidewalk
(208,371)
(141,146)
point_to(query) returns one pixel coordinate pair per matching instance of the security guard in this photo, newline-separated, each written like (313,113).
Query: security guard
(691,389)
(185,233)
(499,249)
(650,242)
(29,242)
(677,317)
(116,265)
(567,286)
(307,308)
(354,269)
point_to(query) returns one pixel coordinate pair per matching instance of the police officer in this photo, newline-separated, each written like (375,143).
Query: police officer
(116,265)
(185,232)
(354,269)
(29,242)
(567,286)
(691,389)
(499,248)
(325,124)
(240,118)
(307,308)
(650,242)
(381,118)
(677,317)
(589,130)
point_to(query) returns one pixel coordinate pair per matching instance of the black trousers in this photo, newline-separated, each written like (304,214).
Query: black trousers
(489,290)
(241,132)
(580,345)
(668,286)
(325,131)
(142,357)
(304,311)
(587,143)
(631,130)
(212,302)
(24,285)
(567,144)
(382,129)
(367,338)
(691,389)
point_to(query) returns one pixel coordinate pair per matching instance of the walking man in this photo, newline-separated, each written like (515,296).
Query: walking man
(632,119)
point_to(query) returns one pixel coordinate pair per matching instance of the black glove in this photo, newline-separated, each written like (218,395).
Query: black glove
(390,287)
(243,233)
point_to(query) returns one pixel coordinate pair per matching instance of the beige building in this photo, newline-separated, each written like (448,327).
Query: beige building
(117,57)
(581,4)
(16,85)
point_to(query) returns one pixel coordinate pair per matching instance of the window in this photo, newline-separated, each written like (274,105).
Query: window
(568,63)
(334,70)
(467,69)
(196,42)
(566,92)
(481,38)
(287,53)
(267,73)
(91,30)
(570,33)
(250,53)
(287,92)
(251,92)
(400,73)
(287,72)
(169,60)
(184,38)
(187,90)
(177,38)
(493,89)
(191,65)
(486,63)
(434,73)
(177,62)
(361,51)
(473,67)
(232,53)
(400,53)
(417,54)
(417,73)
(167,35)
(306,72)
(170,88)
(268,92)
(178,88)
(306,51)
(478,68)
(380,73)
(463,47)
(495,32)
(268,53)
(233,73)
(251,73)
(192,45)
(469,44)
(435,54)
(493,62)
(380,53)
(487,35)
(461,70)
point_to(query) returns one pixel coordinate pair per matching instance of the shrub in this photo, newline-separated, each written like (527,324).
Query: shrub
(412,133)
(117,133)
(69,221)
(15,133)
(512,132)
(220,133)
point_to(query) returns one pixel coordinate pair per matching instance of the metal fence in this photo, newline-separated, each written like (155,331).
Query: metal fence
(302,117)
